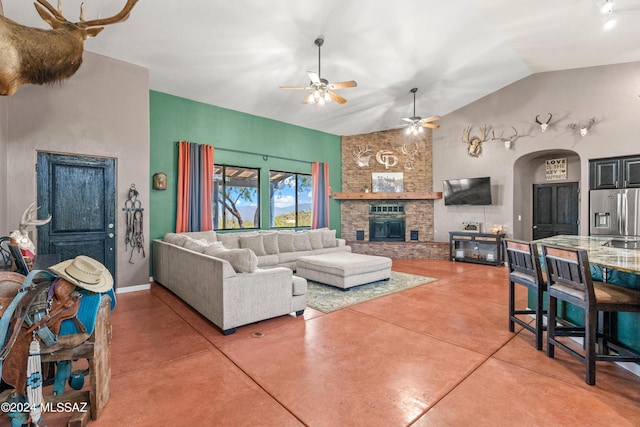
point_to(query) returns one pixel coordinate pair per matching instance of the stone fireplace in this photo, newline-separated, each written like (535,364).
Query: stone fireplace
(398,224)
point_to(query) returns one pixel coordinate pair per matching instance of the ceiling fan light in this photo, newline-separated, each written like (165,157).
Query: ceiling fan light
(327,98)
(609,23)
(311,100)
(607,7)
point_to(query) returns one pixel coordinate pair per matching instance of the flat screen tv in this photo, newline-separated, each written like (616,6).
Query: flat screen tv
(467,191)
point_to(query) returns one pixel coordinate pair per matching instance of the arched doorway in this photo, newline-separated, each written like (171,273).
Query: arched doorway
(530,170)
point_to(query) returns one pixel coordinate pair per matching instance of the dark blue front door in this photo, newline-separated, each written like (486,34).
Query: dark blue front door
(79,193)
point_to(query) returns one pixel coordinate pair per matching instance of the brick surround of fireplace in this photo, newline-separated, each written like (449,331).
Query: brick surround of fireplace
(413,157)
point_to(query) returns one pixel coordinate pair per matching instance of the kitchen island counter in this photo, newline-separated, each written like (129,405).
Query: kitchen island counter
(626,260)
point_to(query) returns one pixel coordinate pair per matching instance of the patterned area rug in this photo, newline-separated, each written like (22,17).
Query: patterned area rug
(327,298)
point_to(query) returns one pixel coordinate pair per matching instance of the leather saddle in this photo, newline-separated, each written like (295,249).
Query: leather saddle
(31,306)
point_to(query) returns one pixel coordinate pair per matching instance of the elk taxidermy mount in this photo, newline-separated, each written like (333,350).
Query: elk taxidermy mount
(474,143)
(36,56)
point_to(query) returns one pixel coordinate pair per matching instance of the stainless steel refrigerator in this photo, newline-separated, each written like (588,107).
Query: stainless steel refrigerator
(615,212)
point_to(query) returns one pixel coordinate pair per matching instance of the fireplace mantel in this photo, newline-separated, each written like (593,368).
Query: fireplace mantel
(407,195)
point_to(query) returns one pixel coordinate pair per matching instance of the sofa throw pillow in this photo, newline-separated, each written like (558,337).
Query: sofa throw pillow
(254,243)
(229,240)
(196,245)
(175,238)
(270,242)
(315,238)
(329,238)
(301,242)
(285,242)
(209,236)
(242,260)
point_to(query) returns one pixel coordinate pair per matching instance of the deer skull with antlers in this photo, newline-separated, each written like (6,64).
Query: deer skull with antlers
(544,125)
(508,142)
(36,56)
(21,235)
(584,127)
(474,143)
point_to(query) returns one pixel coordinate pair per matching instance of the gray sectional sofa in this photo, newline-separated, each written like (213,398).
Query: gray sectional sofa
(238,278)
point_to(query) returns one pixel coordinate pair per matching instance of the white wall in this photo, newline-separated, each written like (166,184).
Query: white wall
(103,111)
(608,93)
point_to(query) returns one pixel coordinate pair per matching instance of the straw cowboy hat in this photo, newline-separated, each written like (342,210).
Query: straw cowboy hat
(85,272)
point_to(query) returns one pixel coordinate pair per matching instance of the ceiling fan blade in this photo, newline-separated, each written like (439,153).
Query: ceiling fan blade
(343,85)
(430,125)
(315,79)
(408,120)
(336,97)
(431,119)
(296,87)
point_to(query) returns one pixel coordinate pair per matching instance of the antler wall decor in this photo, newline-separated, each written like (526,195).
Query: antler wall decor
(361,155)
(508,142)
(36,56)
(582,126)
(28,219)
(474,143)
(544,125)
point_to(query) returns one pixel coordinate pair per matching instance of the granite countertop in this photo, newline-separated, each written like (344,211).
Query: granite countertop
(627,260)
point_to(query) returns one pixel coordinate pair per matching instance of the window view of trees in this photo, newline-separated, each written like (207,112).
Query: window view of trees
(236,201)
(290,199)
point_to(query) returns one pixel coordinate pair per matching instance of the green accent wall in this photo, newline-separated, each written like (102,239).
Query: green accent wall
(263,143)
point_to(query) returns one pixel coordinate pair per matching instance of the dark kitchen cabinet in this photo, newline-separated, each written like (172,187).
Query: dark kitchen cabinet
(612,173)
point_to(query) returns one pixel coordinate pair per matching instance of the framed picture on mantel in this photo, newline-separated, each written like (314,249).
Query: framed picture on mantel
(387,182)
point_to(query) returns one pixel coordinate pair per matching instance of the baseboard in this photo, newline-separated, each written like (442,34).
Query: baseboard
(135,288)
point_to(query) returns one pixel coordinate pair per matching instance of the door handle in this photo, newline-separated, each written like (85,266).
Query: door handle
(110,235)
(534,227)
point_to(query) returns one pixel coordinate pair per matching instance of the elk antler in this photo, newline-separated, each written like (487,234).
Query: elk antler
(483,131)
(465,134)
(360,150)
(57,14)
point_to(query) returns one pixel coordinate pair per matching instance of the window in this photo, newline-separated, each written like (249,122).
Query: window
(236,201)
(290,199)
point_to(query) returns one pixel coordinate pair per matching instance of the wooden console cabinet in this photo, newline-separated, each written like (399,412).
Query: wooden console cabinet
(480,248)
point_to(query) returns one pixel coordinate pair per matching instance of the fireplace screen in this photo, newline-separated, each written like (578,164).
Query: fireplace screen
(387,229)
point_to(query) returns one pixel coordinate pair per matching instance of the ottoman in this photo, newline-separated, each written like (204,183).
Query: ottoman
(343,269)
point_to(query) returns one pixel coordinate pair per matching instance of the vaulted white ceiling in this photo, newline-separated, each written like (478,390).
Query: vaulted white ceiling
(236,54)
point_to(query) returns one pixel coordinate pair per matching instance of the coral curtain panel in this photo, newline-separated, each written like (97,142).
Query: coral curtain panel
(320,191)
(195,185)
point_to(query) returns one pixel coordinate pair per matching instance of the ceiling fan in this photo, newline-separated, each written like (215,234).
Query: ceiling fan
(320,90)
(417,123)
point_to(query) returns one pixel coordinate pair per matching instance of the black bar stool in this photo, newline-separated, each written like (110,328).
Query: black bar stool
(524,269)
(569,280)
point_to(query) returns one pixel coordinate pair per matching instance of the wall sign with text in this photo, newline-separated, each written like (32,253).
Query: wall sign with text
(556,169)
